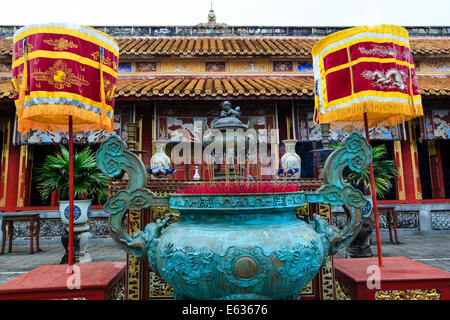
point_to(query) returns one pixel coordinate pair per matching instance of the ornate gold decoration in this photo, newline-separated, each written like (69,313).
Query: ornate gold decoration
(308,289)
(107,61)
(327,288)
(414,156)
(158,288)
(302,211)
(23,161)
(60,76)
(133,262)
(15,83)
(398,150)
(5,160)
(342,291)
(110,89)
(328,283)
(95,55)
(19,54)
(416,294)
(60,44)
(117,291)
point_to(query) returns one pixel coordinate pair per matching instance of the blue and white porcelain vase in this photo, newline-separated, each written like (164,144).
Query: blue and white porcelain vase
(81,211)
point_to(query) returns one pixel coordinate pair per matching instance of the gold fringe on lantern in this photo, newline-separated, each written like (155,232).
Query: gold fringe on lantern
(54,117)
(376,111)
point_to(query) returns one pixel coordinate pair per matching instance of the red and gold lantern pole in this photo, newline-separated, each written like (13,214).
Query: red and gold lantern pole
(71,201)
(64,77)
(366,74)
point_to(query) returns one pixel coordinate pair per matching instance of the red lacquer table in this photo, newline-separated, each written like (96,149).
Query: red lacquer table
(399,279)
(90,281)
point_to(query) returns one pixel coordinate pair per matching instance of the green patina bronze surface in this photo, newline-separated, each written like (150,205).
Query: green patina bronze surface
(236,246)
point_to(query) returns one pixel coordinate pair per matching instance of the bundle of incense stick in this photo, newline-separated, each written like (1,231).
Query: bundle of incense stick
(286,173)
(238,188)
(276,162)
(227,171)
(235,169)
(211,169)
(247,164)
(242,170)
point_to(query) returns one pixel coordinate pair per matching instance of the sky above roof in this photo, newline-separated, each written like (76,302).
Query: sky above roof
(231,12)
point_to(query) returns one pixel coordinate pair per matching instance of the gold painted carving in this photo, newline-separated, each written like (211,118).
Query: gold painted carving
(308,289)
(23,160)
(158,288)
(133,262)
(416,294)
(414,156)
(342,291)
(398,151)
(5,160)
(117,291)
(60,76)
(60,44)
(328,283)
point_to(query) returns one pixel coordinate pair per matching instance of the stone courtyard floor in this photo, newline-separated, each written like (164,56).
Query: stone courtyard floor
(432,249)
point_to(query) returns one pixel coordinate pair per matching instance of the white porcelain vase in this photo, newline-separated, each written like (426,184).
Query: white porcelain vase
(291,160)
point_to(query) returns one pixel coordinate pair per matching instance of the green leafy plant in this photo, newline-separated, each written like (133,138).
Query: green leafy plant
(383,171)
(89,181)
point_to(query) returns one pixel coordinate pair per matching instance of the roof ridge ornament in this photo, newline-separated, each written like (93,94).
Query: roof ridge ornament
(212,23)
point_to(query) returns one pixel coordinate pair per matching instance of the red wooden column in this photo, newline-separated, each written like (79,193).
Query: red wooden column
(12,179)
(410,174)
(6,143)
(437,178)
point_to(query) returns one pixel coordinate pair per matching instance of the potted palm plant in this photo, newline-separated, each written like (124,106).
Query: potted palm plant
(384,171)
(89,182)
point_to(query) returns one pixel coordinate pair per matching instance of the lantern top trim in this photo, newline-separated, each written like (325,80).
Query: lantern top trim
(101,38)
(393,32)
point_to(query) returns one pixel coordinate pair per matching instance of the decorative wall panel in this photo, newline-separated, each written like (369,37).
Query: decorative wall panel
(309,131)
(440,220)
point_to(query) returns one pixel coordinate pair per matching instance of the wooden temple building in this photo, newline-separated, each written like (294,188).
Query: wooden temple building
(176,76)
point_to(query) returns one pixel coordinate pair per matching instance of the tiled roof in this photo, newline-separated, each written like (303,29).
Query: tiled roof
(6,90)
(5,47)
(434,86)
(180,87)
(216,46)
(211,87)
(430,46)
(251,46)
